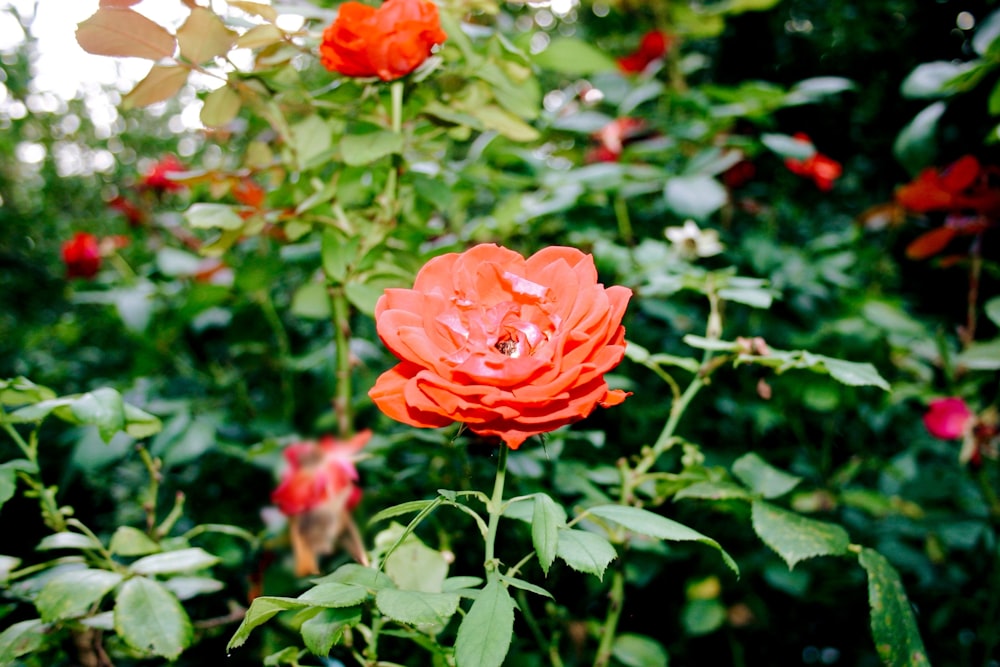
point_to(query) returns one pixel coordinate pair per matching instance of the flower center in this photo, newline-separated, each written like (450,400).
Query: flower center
(508,346)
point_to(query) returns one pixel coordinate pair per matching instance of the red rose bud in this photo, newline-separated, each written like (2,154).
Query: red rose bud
(82,256)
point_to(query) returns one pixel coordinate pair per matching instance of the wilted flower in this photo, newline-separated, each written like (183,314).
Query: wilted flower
(947,418)
(317,492)
(654,44)
(611,139)
(692,241)
(388,42)
(157,176)
(511,347)
(822,169)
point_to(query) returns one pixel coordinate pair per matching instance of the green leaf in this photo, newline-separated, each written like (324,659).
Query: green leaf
(22,391)
(334,595)
(546,520)
(634,650)
(311,301)
(7,565)
(713,491)
(584,551)
(485,633)
(568,55)
(213,216)
(930,80)
(987,31)
(129,541)
(712,344)
(311,142)
(71,594)
(221,106)
(785,146)
(169,562)
(695,196)
(981,356)
(496,118)
(649,523)
(755,297)
(762,477)
(915,146)
(103,408)
(894,627)
(186,588)
(359,575)
(339,254)
(67,540)
(22,638)
(8,477)
(525,586)
(150,619)
(359,149)
(420,609)
(326,628)
(795,537)
(992,310)
(853,373)
(700,617)
(261,610)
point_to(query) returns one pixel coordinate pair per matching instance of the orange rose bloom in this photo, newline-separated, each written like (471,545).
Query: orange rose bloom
(510,346)
(388,42)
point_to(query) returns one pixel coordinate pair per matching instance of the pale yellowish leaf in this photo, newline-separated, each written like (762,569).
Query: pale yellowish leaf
(261,35)
(162,82)
(266,12)
(203,36)
(120,32)
(221,106)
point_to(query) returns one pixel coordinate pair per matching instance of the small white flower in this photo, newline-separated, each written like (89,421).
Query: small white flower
(692,241)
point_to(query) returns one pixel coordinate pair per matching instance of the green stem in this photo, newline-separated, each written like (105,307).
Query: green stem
(29,452)
(616,601)
(153,468)
(396,92)
(624,222)
(495,508)
(342,339)
(285,353)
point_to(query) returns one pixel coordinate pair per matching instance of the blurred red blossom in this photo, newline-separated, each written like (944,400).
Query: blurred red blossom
(319,471)
(964,185)
(654,44)
(157,177)
(388,42)
(247,192)
(83,254)
(947,418)
(611,139)
(136,216)
(823,170)
(739,174)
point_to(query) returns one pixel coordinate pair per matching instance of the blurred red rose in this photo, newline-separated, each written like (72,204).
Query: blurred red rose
(511,347)
(82,256)
(157,176)
(821,169)
(611,139)
(135,215)
(318,472)
(947,418)
(964,185)
(249,193)
(654,44)
(388,42)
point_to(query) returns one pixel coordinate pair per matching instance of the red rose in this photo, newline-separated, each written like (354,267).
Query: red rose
(388,42)
(512,347)
(82,256)
(318,472)
(821,169)
(157,176)
(946,418)
(654,45)
(963,185)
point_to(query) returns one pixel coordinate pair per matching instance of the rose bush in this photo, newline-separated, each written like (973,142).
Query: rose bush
(510,346)
(388,42)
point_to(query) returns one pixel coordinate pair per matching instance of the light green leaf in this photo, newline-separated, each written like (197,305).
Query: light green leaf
(981,356)
(546,520)
(150,619)
(584,551)
(915,146)
(334,595)
(359,149)
(423,610)
(311,141)
(930,80)
(701,617)
(649,523)
(568,55)
(702,343)
(762,477)
(496,118)
(485,633)
(186,588)
(326,628)
(634,650)
(795,537)
(754,297)
(7,565)
(713,491)
(785,146)
(992,310)
(339,253)
(311,301)
(22,638)
(168,562)
(525,586)
(894,627)
(103,408)
(695,196)
(21,391)
(261,610)
(359,575)
(71,594)
(67,540)
(987,31)
(221,105)
(129,541)
(213,216)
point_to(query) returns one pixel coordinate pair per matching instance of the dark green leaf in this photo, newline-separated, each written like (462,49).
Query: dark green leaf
(584,551)
(713,491)
(762,477)
(420,609)
(334,595)
(20,639)
(546,520)
(894,627)
(795,537)
(485,633)
(150,619)
(635,650)
(326,628)
(916,147)
(71,594)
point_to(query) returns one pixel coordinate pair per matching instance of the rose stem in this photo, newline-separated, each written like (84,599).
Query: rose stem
(975,270)
(494,508)
(342,338)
